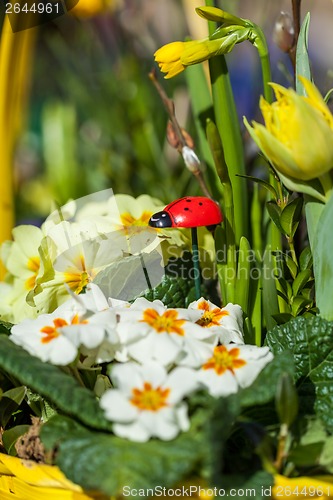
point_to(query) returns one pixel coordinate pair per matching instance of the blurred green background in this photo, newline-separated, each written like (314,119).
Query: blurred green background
(94,119)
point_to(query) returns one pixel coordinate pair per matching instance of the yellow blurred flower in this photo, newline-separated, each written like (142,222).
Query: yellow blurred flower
(89,8)
(297,137)
(303,487)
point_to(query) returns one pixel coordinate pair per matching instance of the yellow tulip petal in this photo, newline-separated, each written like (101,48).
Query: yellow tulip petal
(278,155)
(297,138)
(23,479)
(291,488)
(315,98)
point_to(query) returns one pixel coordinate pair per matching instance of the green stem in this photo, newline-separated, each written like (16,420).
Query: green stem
(292,249)
(257,38)
(195,260)
(228,126)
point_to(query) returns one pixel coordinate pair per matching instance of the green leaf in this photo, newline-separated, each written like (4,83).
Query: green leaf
(175,291)
(227,122)
(326,457)
(257,485)
(302,56)
(263,388)
(310,339)
(306,455)
(301,280)
(282,318)
(269,295)
(10,402)
(262,183)
(10,436)
(243,275)
(102,462)
(291,215)
(202,108)
(286,400)
(275,213)
(292,266)
(52,383)
(323,262)
(328,95)
(305,259)
(299,303)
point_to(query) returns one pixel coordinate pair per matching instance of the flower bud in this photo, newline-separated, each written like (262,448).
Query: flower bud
(173,138)
(191,160)
(284,33)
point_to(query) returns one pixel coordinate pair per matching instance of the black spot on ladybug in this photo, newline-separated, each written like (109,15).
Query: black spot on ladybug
(200,203)
(186,208)
(188,201)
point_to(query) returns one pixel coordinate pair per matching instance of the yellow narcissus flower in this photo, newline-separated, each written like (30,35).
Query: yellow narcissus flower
(297,138)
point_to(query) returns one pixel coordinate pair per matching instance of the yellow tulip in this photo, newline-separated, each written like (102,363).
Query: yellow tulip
(297,138)
(320,488)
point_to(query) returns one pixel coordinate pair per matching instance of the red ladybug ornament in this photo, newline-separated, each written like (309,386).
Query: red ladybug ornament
(190,211)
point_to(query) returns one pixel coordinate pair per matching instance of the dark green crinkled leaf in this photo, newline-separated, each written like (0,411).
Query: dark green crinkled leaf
(52,383)
(177,287)
(310,340)
(173,292)
(99,461)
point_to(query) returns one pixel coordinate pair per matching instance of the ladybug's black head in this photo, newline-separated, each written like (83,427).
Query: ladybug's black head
(160,219)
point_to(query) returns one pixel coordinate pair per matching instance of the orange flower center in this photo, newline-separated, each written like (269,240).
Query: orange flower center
(77,279)
(52,332)
(167,322)
(150,399)
(135,225)
(210,318)
(33,266)
(223,360)
(128,220)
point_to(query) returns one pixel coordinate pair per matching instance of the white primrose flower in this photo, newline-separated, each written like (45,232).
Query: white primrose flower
(231,367)
(151,331)
(226,322)
(147,401)
(57,337)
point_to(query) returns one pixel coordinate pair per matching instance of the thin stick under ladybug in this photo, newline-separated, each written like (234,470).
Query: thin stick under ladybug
(190,212)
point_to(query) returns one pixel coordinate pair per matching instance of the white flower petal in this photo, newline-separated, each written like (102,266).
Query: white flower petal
(134,432)
(218,385)
(182,382)
(162,424)
(126,376)
(117,407)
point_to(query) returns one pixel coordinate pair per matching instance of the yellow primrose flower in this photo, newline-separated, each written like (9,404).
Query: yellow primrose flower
(22,263)
(297,138)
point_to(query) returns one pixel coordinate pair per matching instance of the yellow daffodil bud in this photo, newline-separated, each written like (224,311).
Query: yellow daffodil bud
(220,16)
(174,57)
(297,137)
